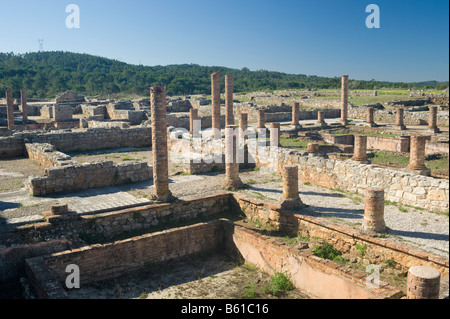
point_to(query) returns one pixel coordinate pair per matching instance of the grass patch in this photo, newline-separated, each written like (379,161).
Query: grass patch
(361,249)
(279,284)
(293,143)
(326,251)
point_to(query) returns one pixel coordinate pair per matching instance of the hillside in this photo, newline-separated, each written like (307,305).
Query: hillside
(45,74)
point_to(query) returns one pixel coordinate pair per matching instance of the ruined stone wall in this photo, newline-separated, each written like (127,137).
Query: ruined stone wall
(423,191)
(183,121)
(62,113)
(389,116)
(80,140)
(400,144)
(107,261)
(47,156)
(77,177)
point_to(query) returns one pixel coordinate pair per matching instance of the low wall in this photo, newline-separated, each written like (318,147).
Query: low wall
(400,144)
(435,147)
(47,156)
(111,260)
(317,277)
(77,177)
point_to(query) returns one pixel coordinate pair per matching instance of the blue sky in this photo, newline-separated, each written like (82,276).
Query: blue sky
(314,37)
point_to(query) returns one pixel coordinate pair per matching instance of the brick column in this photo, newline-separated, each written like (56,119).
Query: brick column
(275,133)
(295,115)
(10,109)
(161,193)
(193,116)
(432,122)
(232,179)
(261,119)
(417,155)
(290,199)
(243,125)
(360,149)
(370,116)
(344,99)
(229,100)
(373,220)
(312,148)
(215,97)
(399,122)
(23,100)
(423,283)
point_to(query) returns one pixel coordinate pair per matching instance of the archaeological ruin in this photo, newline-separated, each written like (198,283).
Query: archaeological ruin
(171,197)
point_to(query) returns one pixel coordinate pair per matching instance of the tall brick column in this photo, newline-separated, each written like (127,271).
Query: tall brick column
(229,100)
(295,115)
(275,134)
(423,283)
(261,119)
(432,121)
(10,109)
(417,155)
(193,116)
(373,221)
(23,100)
(370,116)
(161,193)
(344,99)
(399,121)
(290,199)
(215,97)
(232,179)
(360,149)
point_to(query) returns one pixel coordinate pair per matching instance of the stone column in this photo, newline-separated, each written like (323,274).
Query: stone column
(373,221)
(321,118)
(10,109)
(295,115)
(215,97)
(229,100)
(290,198)
(23,100)
(161,193)
(399,122)
(232,179)
(370,116)
(275,133)
(417,155)
(432,122)
(243,125)
(261,119)
(193,116)
(360,149)
(423,283)
(344,99)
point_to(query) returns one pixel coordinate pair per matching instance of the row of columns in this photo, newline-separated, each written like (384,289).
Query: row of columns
(417,152)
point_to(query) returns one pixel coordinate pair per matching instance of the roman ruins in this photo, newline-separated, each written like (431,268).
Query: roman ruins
(125,189)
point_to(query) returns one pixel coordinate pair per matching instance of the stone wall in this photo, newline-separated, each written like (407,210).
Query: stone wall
(400,144)
(47,156)
(343,238)
(79,140)
(401,187)
(62,113)
(77,177)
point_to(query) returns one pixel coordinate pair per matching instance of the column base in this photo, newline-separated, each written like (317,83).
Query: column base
(163,199)
(361,160)
(434,130)
(233,184)
(373,227)
(291,204)
(323,124)
(418,171)
(400,127)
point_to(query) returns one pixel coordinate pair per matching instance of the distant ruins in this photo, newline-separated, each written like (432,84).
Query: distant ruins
(224,140)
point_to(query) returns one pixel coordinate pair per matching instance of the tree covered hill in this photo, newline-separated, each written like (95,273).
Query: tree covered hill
(45,74)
